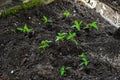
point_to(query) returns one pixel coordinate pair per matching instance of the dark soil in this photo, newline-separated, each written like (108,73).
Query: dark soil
(21,59)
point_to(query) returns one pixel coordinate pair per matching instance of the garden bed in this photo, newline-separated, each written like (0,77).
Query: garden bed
(22,59)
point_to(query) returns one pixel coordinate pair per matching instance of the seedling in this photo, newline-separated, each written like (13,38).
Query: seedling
(61,36)
(44,44)
(77,24)
(66,14)
(84,59)
(71,37)
(25,29)
(63,70)
(46,20)
(92,25)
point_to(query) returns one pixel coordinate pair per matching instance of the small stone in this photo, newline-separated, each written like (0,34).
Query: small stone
(12,72)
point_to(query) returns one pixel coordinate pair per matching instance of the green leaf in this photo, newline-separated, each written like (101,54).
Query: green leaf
(20,29)
(76,43)
(66,14)
(60,36)
(85,61)
(45,19)
(82,54)
(44,44)
(26,29)
(77,24)
(62,71)
(94,25)
(71,35)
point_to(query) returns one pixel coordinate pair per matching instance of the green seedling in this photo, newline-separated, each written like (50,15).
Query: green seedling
(61,36)
(84,59)
(76,43)
(46,20)
(63,70)
(92,25)
(77,24)
(66,14)
(71,37)
(25,29)
(44,44)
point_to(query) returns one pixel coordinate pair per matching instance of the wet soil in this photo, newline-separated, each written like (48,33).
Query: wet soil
(21,58)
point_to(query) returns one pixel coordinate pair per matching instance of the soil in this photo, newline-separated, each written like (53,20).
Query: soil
(21,58)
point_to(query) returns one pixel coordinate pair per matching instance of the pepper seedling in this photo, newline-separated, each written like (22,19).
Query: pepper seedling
(63,70)
(77,24)
(60,37)
(92,25)
(25,29)
(71,37)
(84,59)
(66,14)
(46,20)
(44,44)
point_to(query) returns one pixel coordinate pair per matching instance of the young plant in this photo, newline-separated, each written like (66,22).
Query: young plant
(25,29)
(92,25)
(46,20)
(66,14)
(84,59)
(60,36)
(77,24)
(63,70)
(44,44)
(71,37)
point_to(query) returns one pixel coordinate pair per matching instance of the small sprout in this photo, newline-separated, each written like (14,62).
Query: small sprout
(76,43)
(44,44)
(77,24)
(60,36)
(46,20)
(84,59)
(66,14)
(71,36)
(92,25)
(63,70)
(25,29)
